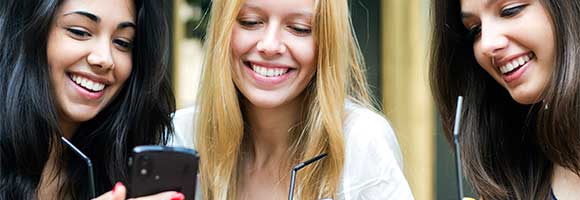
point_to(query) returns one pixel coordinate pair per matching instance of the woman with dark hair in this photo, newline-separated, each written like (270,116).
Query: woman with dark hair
(516,62)
(94,72)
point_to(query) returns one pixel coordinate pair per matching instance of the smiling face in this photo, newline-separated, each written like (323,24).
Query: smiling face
(514,42)
(273,50)
(89,54)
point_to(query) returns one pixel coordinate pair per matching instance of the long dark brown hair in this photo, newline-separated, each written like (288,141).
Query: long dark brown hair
(509,149)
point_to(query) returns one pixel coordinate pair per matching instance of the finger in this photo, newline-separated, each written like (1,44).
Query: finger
(105,196)
(163,196)
(119,192)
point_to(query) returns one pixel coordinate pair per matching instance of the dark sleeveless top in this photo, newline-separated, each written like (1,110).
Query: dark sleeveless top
(552,195)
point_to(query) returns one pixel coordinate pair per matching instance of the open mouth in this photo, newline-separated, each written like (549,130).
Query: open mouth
(87,84)
(516,64)
(268,71)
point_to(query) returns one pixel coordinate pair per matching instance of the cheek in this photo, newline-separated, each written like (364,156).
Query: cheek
(242,41)
(61,51)
(304,51)
(481,59)
(124,66)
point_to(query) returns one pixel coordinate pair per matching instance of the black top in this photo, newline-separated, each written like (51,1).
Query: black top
(552,195)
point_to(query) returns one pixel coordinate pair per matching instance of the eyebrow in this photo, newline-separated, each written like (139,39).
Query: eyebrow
(123,25)
(91,16)
(96,19)
(486,3)
(489,2)
(304,12)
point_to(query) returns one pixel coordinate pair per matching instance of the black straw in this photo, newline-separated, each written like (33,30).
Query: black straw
(456,142)
(89,164)
(298,167)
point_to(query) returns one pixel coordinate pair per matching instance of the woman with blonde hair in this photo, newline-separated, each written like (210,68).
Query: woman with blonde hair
(284,82)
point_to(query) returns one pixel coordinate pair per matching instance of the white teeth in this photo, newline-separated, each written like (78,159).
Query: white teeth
(269,72)
(88,84)
(515,63)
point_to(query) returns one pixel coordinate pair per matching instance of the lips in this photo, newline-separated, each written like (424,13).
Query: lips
(267,74)
(87,83)
(516,63)
(516,67)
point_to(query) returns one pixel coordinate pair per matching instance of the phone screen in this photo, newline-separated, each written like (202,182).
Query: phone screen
(155,169)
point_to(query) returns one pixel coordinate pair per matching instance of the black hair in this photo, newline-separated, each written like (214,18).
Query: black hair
(29,130)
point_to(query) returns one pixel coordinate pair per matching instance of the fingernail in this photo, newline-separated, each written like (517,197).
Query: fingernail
(116,185)
(177,196)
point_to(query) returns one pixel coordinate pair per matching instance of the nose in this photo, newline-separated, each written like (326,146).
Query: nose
(101,55)
(271,43)
(493,40)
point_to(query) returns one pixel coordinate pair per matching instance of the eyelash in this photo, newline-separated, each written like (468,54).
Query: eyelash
(251,24)
(79,33)
(301,31)
(474,31)
(83,35)
(124,45)
(512,11)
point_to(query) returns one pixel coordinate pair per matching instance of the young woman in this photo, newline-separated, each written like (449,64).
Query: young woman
(91,71)
(516,62)
(284,82)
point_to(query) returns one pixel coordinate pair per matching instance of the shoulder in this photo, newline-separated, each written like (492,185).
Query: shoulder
(184,125)
(365,127)
(373,162)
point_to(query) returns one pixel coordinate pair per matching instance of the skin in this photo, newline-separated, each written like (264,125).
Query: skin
(91,40)
(507,31)
(96,48)
(506,34)
(276,35)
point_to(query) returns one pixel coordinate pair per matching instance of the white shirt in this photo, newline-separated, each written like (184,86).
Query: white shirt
(373,161)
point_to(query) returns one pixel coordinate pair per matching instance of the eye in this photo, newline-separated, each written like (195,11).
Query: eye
(473,33)
(78,33)
(512,11)
(300,30)
(123,45)
(248,23)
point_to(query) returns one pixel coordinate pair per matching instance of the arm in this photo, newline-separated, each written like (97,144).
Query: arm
(119,192)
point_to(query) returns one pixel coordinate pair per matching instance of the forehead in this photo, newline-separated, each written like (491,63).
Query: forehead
(108,10)
(281,6)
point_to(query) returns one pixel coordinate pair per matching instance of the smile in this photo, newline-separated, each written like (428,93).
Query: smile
(269,72)
(87,84)
(516,63)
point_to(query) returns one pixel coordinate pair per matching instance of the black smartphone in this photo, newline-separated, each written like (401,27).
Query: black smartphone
(155,169)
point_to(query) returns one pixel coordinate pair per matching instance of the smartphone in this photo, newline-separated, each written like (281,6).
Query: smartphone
(155,169)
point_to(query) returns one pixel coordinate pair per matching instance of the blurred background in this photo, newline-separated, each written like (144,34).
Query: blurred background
(394,37)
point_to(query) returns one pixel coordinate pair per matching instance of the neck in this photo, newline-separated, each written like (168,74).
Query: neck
(565,183)
(51,177)
(68,128)
(270,131)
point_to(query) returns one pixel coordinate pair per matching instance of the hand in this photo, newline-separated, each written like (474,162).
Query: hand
(119,192)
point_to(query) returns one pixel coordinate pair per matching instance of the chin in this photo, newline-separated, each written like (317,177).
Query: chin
(526,99)
(81,115)
(264,102)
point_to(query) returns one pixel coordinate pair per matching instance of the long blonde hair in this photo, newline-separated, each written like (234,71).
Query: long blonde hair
(220,123)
